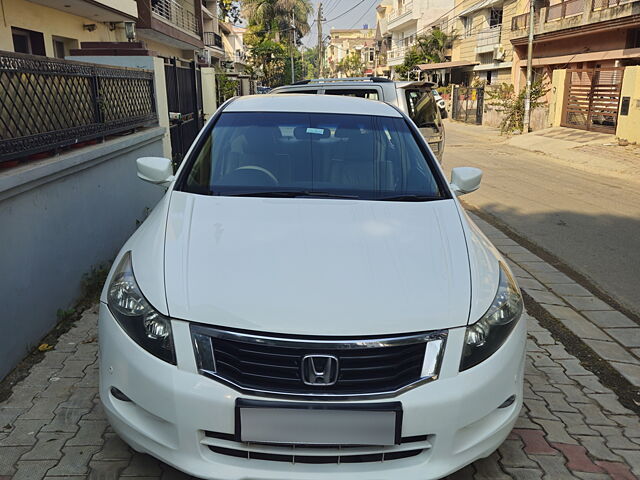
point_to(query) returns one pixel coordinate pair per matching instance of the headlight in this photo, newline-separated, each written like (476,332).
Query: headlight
(147,327)
(484,337)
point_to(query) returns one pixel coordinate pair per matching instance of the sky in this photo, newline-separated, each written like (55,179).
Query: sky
(341,14)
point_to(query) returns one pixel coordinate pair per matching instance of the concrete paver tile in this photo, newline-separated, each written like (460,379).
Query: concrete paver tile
(587,303)
(609,319)
(142,464)
(629,337)
(75,461)
(33,469)
(106,469)
(9,457)
(629,371)
(48,447)
(570,289)
(579,325)
(610,350)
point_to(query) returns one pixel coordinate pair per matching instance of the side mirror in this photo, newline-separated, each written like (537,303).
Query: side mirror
(465,180)
(156,170)
(444,113)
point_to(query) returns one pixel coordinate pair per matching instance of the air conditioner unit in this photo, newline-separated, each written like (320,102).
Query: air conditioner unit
(498,53)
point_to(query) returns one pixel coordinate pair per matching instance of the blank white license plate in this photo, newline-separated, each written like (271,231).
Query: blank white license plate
(317,424)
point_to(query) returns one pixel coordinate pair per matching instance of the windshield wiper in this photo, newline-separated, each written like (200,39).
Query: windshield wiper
(288,194)
(408,198)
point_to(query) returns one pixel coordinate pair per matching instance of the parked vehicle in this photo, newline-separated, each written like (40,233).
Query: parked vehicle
(413,98)
(310,301)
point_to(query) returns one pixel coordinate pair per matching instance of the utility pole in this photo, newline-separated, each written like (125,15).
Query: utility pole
(527,93)
(320,45)
(293,45)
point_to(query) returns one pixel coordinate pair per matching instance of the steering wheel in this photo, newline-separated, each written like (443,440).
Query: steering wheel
(261,170)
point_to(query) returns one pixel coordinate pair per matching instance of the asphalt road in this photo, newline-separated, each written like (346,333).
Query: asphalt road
(590,222)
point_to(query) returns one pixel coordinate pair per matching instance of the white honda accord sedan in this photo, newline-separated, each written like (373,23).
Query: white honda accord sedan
(310,301)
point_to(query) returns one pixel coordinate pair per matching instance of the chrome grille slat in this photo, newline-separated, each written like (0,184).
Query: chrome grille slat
(261,364)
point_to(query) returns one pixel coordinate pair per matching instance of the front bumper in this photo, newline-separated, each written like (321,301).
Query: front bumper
(173,406)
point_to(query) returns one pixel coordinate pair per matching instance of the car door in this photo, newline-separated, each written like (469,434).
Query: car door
(423,110)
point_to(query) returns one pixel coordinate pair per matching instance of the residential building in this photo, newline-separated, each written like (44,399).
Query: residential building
(211,33)
(483,51)
(407,19)
(383,38)
(235,54)
(172,28)
(53,28)
(577,34)
(345,42)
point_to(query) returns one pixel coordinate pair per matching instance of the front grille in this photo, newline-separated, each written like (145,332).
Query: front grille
(225,444)
(267,364)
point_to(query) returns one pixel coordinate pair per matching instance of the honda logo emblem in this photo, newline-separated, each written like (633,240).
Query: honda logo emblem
(319,370)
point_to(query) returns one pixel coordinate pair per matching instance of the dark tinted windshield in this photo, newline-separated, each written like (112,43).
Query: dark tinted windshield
(300,154)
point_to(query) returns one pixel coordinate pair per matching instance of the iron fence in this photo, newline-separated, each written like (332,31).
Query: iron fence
(467,104)
(46,103)
(599,4)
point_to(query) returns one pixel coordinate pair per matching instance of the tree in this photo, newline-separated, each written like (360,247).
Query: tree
(429,48)
(270,36)
(351,65)
(230,10)
(506,101)
(277,15)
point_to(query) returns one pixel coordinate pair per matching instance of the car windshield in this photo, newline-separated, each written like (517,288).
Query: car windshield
(319,155)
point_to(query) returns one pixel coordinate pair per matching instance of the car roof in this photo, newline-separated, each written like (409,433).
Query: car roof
(305,103)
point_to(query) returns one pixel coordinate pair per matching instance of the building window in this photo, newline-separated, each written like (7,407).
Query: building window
(489,77)
(466,26)
(495,17)
(371,54)
(27,41)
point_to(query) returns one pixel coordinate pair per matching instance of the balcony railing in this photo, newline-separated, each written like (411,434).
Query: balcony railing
(565,9)
(175,13)
(599,4)
(212,39)
(520,21)
(489,36)
(397,53)
(399,12)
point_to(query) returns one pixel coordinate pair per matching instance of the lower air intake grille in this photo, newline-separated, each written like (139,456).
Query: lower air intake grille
(223,444)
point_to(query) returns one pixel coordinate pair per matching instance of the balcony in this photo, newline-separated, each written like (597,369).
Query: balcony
(565,9)
(401,16)
(600,4)
(395,56)
(488,39)
(176,14)
(519,22)
(571,17)
(212,39)
(97,10)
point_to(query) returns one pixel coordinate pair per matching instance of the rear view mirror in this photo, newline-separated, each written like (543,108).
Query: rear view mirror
(465,180)
(156,170)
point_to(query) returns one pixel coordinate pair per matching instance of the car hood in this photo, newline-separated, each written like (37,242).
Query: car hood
(310,266)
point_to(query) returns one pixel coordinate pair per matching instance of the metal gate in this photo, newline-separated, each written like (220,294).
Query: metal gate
(184,96)
(468,104)
(592,98)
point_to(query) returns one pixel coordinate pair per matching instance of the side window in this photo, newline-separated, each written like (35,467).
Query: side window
(311,91)
(369,93)
(422,109)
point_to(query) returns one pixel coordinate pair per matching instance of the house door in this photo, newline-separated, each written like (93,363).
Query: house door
(592,98)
